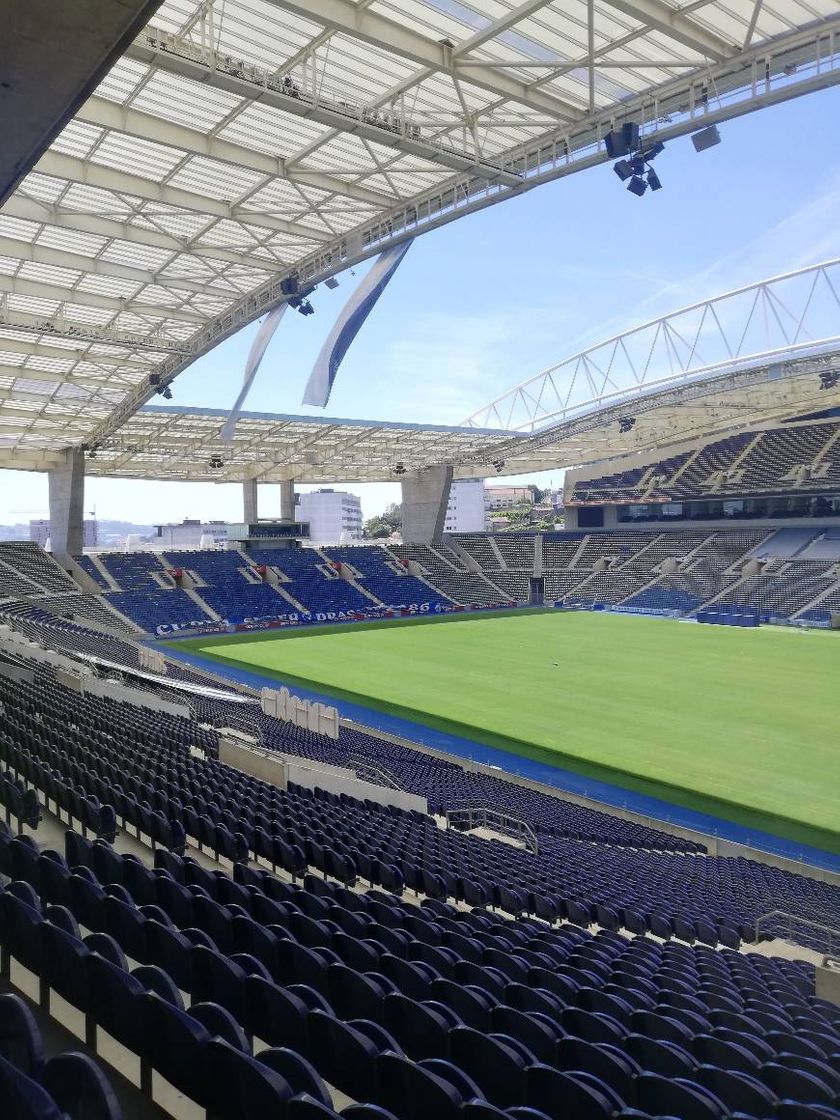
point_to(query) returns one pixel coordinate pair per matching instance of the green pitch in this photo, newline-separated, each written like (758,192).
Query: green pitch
(743,724)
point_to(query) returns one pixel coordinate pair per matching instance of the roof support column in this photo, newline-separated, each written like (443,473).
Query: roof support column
(249,501)
(425,495)
(287,499)
(67,500)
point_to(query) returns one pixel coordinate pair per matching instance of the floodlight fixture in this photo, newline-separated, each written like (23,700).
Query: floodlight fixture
(829,379)
(166,393)
(637,185)
(626,423)
(705,138)
(653,151)
(289,286)
(653,180)
(623,169)
(399,468)
(331,282)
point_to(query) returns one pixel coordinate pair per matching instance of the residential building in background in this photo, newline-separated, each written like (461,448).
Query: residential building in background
(334,516)
(467,508)
(39,532)
(504,497)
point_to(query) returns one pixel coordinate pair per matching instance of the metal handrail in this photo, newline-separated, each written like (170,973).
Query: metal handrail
(824,935)
(478,817)
(377,774)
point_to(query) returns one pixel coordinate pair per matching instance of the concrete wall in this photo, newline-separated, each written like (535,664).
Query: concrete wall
(828,980)
(425,495)
(67,497)
(140,699)
(268,766)
(311,778)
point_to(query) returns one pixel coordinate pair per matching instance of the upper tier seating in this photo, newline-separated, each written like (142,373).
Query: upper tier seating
(384,576)
(89,567)
(804,458)
(517,550)
(480,548)
(136,571)
(30,562)
(443,569)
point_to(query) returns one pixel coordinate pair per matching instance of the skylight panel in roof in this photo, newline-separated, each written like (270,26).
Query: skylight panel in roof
(77,139)
(185,102)
(18,229)
(139,256)
(107,286)
(263,128)
(177,223)
(71,241)
(49,274)
(216,179)
(139,157)
(91,200)
(122,79)
(42,187)
(9,266)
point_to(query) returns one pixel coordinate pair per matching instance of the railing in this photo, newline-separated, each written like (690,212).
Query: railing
(800,930)
(467,819)
(375,773)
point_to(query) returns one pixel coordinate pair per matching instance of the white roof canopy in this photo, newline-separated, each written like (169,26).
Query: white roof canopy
(240,142)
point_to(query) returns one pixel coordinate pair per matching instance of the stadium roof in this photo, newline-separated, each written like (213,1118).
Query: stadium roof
(239,142)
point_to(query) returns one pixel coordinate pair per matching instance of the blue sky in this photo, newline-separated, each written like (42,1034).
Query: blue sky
(495,297)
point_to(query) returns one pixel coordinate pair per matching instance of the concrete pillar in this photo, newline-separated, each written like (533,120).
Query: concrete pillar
(67,503)
(287,499)
(425,495)
(249,501)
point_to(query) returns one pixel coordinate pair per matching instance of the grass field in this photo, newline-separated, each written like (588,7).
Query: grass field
(744,724)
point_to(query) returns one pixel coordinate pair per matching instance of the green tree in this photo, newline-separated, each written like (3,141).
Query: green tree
(384,524)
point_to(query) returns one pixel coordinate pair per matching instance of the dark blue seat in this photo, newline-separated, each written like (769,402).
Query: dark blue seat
(116,1000)
(20,1039)
(663,1096)
(497,1068)
(63,968)
(79,1087)
(240,1085)
(273,1014)
(796,1085)
(615,1068)
(413,1093)
(562,1096)
(301,1075)
(344,1056)
(21,923)
(218,979)
(740,1092)
(658,1056)
(170,950)
(176,1046)
(539,1033)
(420,1030)
(728,1055)
(23,1098)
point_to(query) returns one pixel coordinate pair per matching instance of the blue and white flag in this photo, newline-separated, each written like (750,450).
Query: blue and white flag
(348,324)
(255,355)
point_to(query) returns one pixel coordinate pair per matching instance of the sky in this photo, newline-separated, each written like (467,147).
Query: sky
(495,297)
